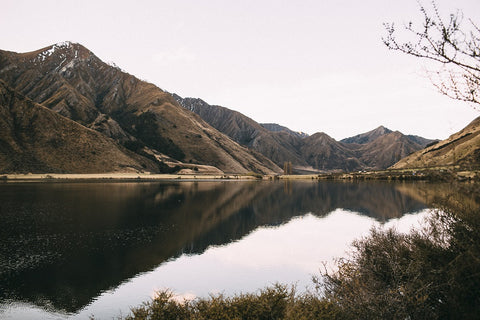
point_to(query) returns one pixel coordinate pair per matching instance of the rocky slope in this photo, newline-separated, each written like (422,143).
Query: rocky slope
(387,149)
(275,127)
(280,146)
(461,148)
(36,139)
(370,136)
(367,137)
(70,80)
(325,153)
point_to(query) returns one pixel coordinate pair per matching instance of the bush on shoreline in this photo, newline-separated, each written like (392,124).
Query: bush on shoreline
(277,302)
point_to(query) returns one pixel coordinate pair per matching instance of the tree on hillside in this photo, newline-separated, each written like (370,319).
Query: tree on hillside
(287,168)
(451,42)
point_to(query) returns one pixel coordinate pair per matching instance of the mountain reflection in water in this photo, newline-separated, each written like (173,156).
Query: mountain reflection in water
(63,244)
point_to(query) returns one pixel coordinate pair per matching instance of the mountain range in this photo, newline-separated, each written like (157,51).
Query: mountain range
(70,80)
(376,149)
(65,110)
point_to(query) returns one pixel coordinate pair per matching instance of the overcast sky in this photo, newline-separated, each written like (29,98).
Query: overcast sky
(309,65)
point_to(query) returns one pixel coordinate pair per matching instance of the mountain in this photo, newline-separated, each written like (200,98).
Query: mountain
(325,153)
(370,136)
(274,127)
(424,142)
(376,149)
(280,147)
(387,149)
(70,80)
(461,148)
(36,139)
(367,137)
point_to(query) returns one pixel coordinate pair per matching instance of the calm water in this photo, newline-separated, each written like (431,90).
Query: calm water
(71,250)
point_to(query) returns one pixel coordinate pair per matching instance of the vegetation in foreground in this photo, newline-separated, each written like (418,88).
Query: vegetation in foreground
(277,302)
(431,273)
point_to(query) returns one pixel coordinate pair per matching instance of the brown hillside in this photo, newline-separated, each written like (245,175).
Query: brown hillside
(36,139)
(387,149)
(367,137)
(325,153)
(278,146)
(461,148)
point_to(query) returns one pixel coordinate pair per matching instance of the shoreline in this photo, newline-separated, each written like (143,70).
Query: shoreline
(119,177)
(437,174)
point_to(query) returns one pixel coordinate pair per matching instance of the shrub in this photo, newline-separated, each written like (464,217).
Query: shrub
(162,307)
(277,302)
(254,174)
(433,273)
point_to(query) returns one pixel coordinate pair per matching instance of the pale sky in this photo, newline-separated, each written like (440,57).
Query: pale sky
(313,66)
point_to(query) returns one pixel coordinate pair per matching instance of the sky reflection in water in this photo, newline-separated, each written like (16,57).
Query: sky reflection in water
(104,248)
(289,254)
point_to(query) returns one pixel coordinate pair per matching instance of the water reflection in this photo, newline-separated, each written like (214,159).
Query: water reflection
(63,244)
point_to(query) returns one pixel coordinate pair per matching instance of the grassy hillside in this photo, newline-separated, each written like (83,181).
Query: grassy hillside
(460,149)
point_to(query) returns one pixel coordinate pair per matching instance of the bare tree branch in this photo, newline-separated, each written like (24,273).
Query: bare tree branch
(449,42)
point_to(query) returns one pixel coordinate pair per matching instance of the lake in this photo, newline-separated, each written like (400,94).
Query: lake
(70,250)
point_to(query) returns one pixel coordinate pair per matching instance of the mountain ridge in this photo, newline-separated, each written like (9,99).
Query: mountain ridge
(318,152)
(366,137)
(275,127)
(460,149)
(246,131)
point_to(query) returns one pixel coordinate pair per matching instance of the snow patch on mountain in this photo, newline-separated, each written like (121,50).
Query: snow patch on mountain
(69,65)
(47,53)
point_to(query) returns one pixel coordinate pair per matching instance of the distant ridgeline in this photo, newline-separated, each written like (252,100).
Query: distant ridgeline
(377,149)
(66,111)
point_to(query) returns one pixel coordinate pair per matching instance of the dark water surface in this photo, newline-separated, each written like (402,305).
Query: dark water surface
(77,249)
